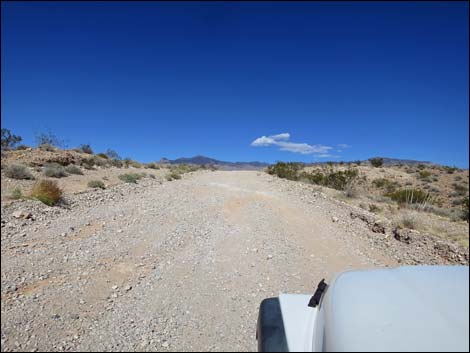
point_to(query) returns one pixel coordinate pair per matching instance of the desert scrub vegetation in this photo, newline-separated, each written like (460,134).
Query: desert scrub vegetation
(285,170)
(449,170)
(103,155)
(46,191)
(96,184)
(73,169)
(130,177)
(339,180)
(376,162)
(116,163)
(465,212)
(410,196)
(18,171)
(54,170)
(16,194)
(184,168)
(8,140)
(388,185)
(152,166)
(407,221)
(173,176)
(86,148)
(460,190)
(424,174)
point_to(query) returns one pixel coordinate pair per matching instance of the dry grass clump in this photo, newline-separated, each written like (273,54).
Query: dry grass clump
(47,191)
(96,184)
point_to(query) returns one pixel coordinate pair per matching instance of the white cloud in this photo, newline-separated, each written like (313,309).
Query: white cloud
(280,140)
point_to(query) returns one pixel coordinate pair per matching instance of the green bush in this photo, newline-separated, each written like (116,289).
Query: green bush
(339,180)
(130,177)
(173,176)
(18,171)
(73,169)
(376,162)
(424,174)
(409,196)
(54,170)
(285,170)
(421,166)
(153,166)
(96,184)
(383,183)
(47,191)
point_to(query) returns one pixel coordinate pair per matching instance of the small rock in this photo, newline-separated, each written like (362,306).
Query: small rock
(334,219)
(269,257)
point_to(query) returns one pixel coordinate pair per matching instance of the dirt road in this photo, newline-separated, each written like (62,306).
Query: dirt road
(172,266)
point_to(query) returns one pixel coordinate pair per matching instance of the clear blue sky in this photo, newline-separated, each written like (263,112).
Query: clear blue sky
(153,80)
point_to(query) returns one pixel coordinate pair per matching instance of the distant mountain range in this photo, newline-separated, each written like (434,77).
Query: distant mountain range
(202,160)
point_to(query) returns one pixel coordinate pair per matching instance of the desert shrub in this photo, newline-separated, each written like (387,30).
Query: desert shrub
(73,169)
(46,147)
(18,171)
(376,162)
(424,174)
(8,140)
(285,170)
(22,147)
(135,164)
(103,155)
(357,162)
(388,185)
(96,184)
(374,208)
(409,196)
(88,163)
(173,176)
(116,163)
(184,168)
(112,154)
(408,221)
(465,214)
(54,170)
(100,162)
(350,190)
(47,191)
(450,170)
(48,139)
(153,166)
(86,148)
(456,178)
(16,194)
(421,166)
(460,189)
(340,180)
(152,176)
(130,177)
